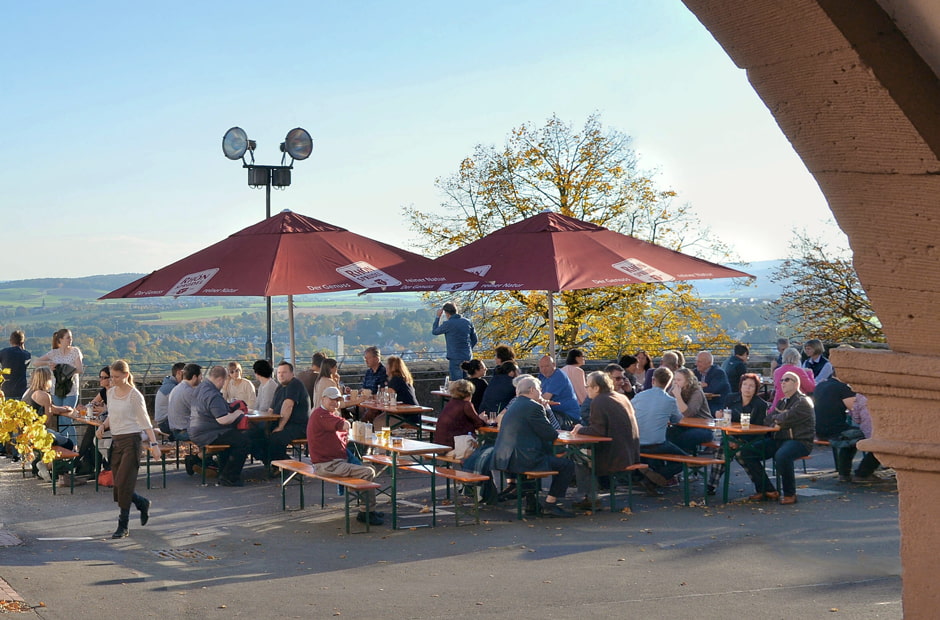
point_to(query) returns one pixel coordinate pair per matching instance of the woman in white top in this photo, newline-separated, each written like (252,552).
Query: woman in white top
(64,353)
(572,369)
(238,388)
(127,418)
(329,377)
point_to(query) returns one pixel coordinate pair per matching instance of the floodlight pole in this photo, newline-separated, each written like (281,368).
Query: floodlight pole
(297,145)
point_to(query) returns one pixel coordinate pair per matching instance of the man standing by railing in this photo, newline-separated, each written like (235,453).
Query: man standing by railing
(460,337)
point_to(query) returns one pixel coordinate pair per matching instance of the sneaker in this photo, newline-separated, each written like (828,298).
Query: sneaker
(225,482)
(845,478)
(862,479)
(43,472)
(672,482)
(556,511)
(373,518)
(710,490)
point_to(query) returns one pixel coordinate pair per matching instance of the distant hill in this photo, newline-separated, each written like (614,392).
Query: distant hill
(761,288)
(32,292)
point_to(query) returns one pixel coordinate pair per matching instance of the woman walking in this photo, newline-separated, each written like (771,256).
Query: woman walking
(127,417)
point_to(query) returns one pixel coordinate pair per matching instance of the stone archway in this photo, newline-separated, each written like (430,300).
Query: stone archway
(862,109)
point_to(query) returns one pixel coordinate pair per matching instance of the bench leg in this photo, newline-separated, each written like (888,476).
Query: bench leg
(148,469)
(163,467)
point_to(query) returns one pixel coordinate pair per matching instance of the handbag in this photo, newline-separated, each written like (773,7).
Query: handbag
(106,478)
(464,446)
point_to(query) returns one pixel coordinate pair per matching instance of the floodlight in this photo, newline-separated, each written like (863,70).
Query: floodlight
(298,144)
(235,143)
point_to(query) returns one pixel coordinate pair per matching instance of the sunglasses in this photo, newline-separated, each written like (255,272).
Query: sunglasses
(787,379)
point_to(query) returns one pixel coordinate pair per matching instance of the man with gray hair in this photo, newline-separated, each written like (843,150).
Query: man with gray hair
(713,379)
(525,443)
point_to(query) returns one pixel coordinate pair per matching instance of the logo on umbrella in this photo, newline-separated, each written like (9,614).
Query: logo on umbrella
(368,276)
(635,268)
(192,283)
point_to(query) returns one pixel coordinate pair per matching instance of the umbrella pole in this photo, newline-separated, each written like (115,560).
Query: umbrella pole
(551,324)
(290,322)
(268,345)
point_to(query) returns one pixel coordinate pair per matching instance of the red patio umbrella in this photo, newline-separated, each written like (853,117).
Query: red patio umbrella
(291,254)
(553,252)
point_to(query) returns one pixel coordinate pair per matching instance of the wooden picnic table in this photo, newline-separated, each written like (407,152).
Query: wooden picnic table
(411,449)
(728,450)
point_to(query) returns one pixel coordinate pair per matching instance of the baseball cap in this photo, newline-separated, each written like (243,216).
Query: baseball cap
(332,392)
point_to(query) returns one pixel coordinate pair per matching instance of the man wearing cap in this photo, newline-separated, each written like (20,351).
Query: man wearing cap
(327,437)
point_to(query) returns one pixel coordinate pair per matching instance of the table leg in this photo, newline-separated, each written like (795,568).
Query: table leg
(394,490)
(97,460)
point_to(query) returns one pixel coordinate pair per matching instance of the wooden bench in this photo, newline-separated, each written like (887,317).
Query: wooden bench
(63,457)
(835,452)
(688,462)
(532,476)
(298,447)
(353,486)
(164,450)
(205,452)
(614,477)
(456,475)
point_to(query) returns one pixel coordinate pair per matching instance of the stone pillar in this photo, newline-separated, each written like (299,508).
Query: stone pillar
(862,109)
(903,391)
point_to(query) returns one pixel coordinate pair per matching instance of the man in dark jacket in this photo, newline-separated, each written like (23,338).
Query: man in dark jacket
(212,423)
(795,420)
(525,444)
(611,416)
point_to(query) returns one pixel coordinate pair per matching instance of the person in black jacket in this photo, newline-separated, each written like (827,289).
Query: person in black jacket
(525,444)
(500,389)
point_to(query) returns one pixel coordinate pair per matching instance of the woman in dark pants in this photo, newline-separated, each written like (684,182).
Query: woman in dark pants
(797,426)
(127,417)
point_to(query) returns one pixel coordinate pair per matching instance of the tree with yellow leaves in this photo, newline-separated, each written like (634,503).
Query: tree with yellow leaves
(22,426)
(591,174)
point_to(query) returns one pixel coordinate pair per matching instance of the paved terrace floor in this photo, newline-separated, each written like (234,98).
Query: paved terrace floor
(218,552)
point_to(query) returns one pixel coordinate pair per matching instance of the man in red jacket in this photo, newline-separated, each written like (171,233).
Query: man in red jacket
(327,436)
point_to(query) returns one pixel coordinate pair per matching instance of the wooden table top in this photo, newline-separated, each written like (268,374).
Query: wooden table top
(406,446)
(405,409)
(734,429)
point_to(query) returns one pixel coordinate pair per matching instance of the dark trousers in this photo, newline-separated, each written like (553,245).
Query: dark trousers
(277,442)
(688,439)
(784,453)
(868,465)
(232,460)
(125,463)
(666,469)
(562,481)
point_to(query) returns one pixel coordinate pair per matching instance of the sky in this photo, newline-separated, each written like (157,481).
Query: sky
(113,115)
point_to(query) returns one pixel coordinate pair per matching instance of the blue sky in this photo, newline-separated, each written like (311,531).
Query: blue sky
(113,115)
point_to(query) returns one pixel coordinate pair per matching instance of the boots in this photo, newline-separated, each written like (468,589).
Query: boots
(143,505)
(121,531)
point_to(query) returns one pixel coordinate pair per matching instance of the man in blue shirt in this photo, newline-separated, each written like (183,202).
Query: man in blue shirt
(654,410)
(376,376)
(556,386)
(460,337)
(713,379)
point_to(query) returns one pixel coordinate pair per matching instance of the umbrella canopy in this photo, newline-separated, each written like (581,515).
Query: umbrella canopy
(291,254)
(553,252)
